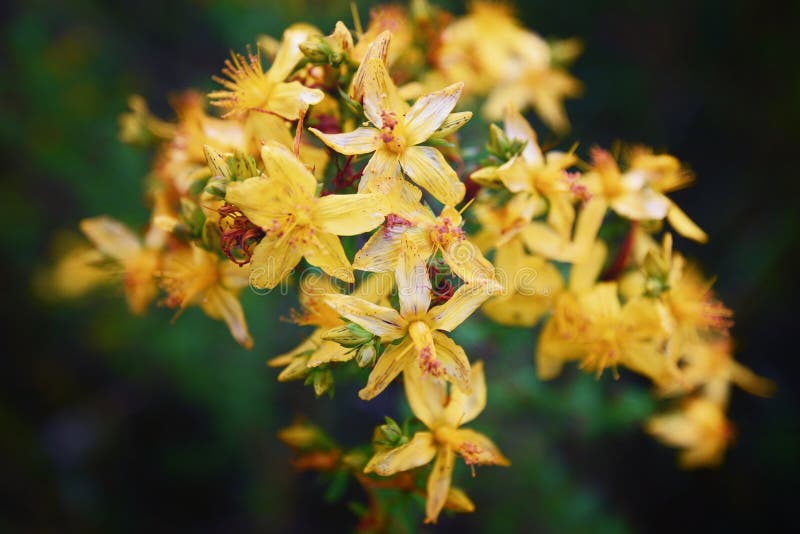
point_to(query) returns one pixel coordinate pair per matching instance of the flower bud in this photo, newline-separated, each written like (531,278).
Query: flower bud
(389,433)
(216,186)
(217,163)
(301,436)
(297,369)
(366,355)
(317,49)
(323,381)
(349,335)
(458,501)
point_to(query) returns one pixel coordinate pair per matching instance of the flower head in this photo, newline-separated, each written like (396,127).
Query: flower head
(397,133)
(249,87)
(296,222)
(443,412)
(416,333)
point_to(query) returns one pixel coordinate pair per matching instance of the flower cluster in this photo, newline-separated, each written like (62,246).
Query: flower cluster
(344,156)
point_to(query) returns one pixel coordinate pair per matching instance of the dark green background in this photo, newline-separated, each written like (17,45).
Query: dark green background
(109,423)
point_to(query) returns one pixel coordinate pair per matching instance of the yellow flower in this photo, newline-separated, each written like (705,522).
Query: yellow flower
(443,413)
(316,350)
(261,128)
(429,233)
(397,133)
(638,193)
(699,427)
(573,246)
(182,161)
(542,88)
(708,365)
(502,224)
(414,335)
(488,46)
(138,260)
(388,19)
(193,276)
(296,222)
(533,171)
(78,269)
(532,283)
(591,325)
(249,87)
(510,64)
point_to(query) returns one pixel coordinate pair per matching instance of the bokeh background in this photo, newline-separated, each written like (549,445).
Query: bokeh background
(109,423)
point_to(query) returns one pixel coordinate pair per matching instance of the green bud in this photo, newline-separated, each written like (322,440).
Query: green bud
(243,166)
(389,432)
(297,369)
(654,286)
(654,264)
(216,162)
(366,355)
(216,186)
(349,335)
(501,146)
(323,381)
(317,49)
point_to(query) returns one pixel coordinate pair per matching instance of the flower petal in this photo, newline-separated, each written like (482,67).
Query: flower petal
(328,352)
(427,167)
(308,345)
(378,49)
(111,237)
(452,124)
(289,53)
(426,396)
(684,225)
(327,253)
(464,407)
(390,364)
(219,303)
(461,305)
(262,200)
(272,261)
(453,361)
(381,252)
(359,141)
(282,166)
(379,320)
(289,100)
(467,262)
(439,483)
(382,164)
(380,93)
(644,204)
(349,214)
(584,274)
(554,350)
(429,112)
(413,284)
(419,451)
(516,127)
(476,448)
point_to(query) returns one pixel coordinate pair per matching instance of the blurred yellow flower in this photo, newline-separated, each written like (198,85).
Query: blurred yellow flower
(250,88)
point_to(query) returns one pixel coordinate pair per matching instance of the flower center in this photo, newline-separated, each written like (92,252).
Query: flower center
(446,232)
(390,132)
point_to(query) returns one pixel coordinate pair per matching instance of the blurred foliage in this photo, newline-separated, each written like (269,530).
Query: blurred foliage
(114,423)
